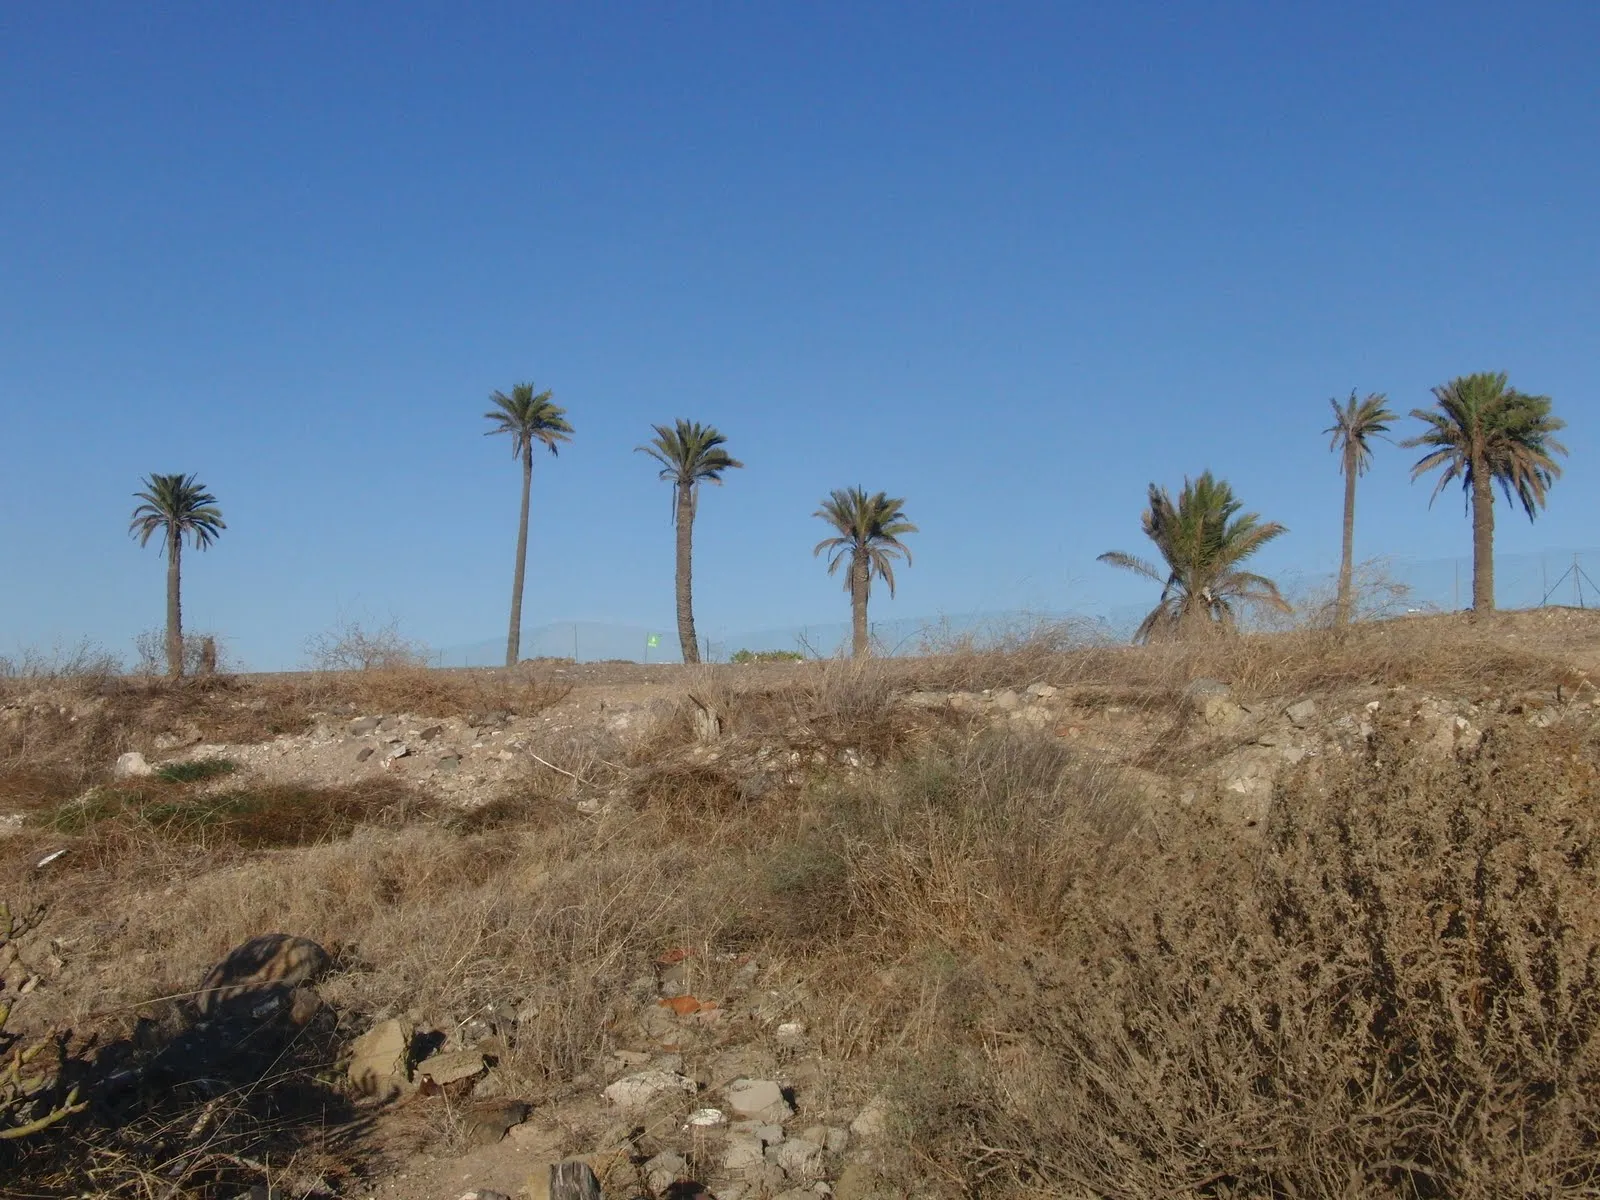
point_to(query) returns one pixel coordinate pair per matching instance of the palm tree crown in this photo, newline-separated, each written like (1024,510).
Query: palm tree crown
(529,417)
(690,454)
(870,528)
(176,506)
(1479,423)
(1202,538)
(1354,424)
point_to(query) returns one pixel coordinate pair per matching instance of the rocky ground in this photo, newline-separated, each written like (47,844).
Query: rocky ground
(713,1084)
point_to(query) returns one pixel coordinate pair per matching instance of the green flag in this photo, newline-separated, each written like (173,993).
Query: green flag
(653,640)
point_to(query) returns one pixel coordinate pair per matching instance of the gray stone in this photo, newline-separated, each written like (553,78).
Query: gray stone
(753,1097)
(398,750)
(643,1089)
(1042,691)
(741,1152)
(364,725)
(1301,713)
(363,754)
(132,766)
(450,764)
(799,1158)
(431,732)
(378,1059)
(263,977)
(664,1170)
(451,1065)
(873,1120)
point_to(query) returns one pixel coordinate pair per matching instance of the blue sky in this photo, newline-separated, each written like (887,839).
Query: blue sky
(1010,261)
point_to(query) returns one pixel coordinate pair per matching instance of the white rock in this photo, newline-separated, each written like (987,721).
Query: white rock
(132,766)
(750,1097)
(641,1090)
(802,1159)
(706,1118)
(742,1152)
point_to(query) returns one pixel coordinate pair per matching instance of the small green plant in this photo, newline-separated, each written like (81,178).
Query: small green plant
(197,770)
(767,656)
(27,1105)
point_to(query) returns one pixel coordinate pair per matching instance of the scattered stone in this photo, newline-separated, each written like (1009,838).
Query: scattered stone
(741,1152)
(431,732)
(642,1090)
(1302,713)
(754,1097)
(451,1065)
(800,1158)
(378,1060)
(488,1121)
(362,726)
(132,766)
(1042,691)
(450,763)
(1212,702)
(706,1118)
(396,751)
(363,754)
(262,977)
(1007,700)
(665,1169)
(873,1120)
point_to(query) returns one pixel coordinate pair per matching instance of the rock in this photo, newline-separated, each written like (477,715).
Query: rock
(487,1122)
(640,1091)
(1301,713)
(755,1097)
(364,725)
(873,1120)
(706,1118)
(177,739)
(431,732)
(1007,700)
(1212,702)
(261,978)
(363,754)
(398,750)
(132,766)
(379,1059)
(1042,691)
(800,1158)
(858,1181)
(450,764)
(664,1170)
(741,1152)
(451,1065)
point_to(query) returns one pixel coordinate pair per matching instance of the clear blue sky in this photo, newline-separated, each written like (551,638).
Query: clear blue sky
(1010,261)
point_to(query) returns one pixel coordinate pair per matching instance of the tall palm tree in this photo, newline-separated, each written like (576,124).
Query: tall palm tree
(529,417)
(870,528)
(1483,432)
(690,454)
(175,506)
(1354,424)
(1202,539)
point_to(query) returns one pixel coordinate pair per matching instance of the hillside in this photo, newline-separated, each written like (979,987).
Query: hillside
(1302,914)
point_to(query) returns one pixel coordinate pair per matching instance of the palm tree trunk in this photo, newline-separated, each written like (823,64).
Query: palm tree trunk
(860,646)
(685,524)
(1482,539)
(1347,555)
(174,606)
(514,636)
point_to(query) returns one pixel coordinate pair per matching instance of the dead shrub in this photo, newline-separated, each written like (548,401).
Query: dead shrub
(1396,996)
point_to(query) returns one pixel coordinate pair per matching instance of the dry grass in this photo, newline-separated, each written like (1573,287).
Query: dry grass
(72,728)
(1392,992)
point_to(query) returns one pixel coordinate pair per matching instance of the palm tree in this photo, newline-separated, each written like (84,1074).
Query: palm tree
(1203,539)
(1483,432)
(1353,424)
(870,528)
(529,417)
(175,506)
(689,453)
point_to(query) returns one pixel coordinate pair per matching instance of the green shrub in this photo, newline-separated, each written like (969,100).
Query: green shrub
(767,656)
(199,769)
